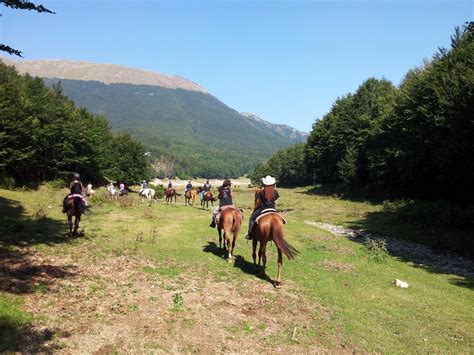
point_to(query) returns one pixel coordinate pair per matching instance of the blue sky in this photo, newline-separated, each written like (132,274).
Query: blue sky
(286,61)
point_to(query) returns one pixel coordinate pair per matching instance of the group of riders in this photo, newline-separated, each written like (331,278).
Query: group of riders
(224,197)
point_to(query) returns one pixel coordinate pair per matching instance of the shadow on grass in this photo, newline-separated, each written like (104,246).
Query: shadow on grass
(239,262)
(213,248)
(21,337)
(339,191)
(437,236)
(435,249)
(24,271)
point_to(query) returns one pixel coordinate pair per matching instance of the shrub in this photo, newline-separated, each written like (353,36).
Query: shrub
(377,249)
(56,184)
(7,182)
(159,191)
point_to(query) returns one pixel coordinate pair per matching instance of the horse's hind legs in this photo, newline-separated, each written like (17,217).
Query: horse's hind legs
(219,231)
(69,222)
(262,255)
(280,263)
(229,250)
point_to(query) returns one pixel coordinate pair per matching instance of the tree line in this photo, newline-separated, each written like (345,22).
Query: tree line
(44,136)
(415,140)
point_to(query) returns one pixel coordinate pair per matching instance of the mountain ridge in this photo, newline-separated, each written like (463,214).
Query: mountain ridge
(190,132)
(280,128)
(106,73)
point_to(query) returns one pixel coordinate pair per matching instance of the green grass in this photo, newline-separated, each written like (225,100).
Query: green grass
(13,321)
(358,307)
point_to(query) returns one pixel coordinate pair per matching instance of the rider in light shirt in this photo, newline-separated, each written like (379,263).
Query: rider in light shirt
(143,186)
(205,188)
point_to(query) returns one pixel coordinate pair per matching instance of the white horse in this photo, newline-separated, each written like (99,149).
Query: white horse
(112,193)
(149,194)
(89,191)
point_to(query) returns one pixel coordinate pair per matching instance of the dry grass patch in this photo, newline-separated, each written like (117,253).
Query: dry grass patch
(337,265)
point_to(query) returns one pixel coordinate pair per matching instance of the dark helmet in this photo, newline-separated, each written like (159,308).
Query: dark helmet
(226,183)
(77,176)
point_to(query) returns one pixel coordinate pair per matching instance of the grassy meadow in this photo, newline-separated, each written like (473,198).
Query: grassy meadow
(153,279)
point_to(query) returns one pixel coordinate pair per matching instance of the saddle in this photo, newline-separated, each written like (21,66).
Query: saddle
(232,207)
(269,211)
(78,195)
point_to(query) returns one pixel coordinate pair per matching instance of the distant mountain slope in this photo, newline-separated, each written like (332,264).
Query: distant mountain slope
(281,130)
(189,131)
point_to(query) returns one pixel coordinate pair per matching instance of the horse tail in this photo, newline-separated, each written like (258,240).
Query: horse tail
(77,205)
(287,249)
(236,219)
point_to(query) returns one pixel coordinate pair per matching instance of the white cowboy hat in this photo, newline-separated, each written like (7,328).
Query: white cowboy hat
(268,180)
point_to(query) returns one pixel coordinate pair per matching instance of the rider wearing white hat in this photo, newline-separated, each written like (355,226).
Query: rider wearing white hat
(267,197)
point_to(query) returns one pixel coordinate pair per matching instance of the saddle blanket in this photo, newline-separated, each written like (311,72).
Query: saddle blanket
(231,207)
(84,201)
(267,212)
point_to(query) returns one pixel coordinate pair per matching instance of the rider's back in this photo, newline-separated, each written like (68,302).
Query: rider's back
(225,196)
(75,187)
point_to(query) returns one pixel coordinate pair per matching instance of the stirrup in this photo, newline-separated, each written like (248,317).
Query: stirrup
(248,237)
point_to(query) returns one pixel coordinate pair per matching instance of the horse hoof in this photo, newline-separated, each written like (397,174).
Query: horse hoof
(277,284)
(229,260)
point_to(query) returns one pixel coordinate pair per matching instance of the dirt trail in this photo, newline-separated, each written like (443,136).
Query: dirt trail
(111,304)
(419,254)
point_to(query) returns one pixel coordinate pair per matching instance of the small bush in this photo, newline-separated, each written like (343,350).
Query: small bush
(99,198)
(178,302)
(7,182)
(159,191)
(377,250)
(126,201)
(56,184)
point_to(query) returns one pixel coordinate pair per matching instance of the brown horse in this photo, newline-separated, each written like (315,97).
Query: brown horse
(73,208)
(170,193)
(229,221)
(189,196)
(270,227)
(206,198)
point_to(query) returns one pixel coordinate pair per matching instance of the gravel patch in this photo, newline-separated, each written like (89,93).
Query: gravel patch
(419,254)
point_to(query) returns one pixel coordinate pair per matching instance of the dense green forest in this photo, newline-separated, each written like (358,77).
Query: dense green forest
(415,140)
(43,136)
(190,131)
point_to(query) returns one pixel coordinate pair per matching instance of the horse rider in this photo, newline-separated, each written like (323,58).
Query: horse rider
(205,188)
(122,190)
(75,187)
(225,199)
(265,203)
(143,186)
(189,186)
(170,184)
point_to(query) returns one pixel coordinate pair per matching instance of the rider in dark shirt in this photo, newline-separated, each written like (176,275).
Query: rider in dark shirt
(264,203)
(225,194)
(189,186)
(75,187)
(225,199)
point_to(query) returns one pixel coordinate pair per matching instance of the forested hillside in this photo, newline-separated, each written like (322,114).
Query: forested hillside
(188,131)
(196,133)
(415,140)
(43,136)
